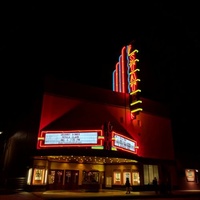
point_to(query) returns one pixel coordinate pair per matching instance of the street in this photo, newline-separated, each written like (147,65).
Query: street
(109,194)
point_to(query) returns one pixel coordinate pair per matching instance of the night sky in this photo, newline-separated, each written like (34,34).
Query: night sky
(82,42)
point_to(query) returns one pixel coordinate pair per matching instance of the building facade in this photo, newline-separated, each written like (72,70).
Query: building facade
(91,138)
(88,139)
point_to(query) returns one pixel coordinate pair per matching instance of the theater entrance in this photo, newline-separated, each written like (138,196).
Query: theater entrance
(71,179)
(63,179)
(56,179)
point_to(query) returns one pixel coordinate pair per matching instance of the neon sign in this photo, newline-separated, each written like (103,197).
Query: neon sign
(125,79)
(131,69)
(79,138)
(71,138)
(124,143)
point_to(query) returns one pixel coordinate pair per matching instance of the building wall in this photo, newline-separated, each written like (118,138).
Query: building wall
(87,108)
(71,107)
(152,132)
(154,137)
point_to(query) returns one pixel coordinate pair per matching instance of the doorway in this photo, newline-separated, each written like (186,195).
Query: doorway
(71,179)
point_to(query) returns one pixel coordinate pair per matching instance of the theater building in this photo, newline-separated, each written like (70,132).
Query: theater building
(93,138)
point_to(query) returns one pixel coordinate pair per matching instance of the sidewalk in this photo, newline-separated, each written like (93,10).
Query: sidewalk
(105,194)
(19,196)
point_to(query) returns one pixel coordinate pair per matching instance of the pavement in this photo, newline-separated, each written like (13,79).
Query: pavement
(105,194)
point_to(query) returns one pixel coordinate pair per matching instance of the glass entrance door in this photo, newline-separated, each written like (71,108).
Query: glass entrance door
(71,179)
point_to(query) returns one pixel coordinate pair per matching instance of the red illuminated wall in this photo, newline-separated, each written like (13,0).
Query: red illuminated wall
(151,131)
(154,136)
(78,114)
(54,107)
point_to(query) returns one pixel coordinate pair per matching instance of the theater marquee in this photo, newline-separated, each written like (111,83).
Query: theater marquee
(75,138)
(123,143)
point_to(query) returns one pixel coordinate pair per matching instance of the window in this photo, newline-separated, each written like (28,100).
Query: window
(117,178)
(90,176)
(135,178)
(38,176)
(150,171)
(190,174)
(126,175)
(52,176)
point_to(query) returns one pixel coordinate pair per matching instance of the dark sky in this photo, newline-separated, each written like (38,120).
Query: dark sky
(82,41)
